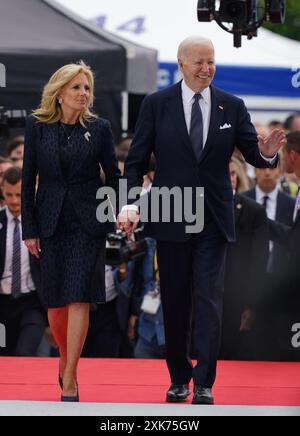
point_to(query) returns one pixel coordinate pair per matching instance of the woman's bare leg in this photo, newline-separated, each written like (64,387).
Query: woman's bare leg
(78,324)
(58,321)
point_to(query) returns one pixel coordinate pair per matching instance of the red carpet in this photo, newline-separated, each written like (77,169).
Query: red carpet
(145,381)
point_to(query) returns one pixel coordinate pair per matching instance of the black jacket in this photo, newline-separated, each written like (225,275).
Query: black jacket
(290,238)
(40,212)
(284,214)
(161,128)
(247,258)
(34,262)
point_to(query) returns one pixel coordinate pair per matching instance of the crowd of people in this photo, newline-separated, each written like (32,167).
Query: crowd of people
(259,309)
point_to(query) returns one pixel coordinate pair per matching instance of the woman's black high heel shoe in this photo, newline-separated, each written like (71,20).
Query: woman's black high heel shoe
(60,381)
(71,399)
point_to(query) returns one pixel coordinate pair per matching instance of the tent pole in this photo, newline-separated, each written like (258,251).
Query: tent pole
(125,111)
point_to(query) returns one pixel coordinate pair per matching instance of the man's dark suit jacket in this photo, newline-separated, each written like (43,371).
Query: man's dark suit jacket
(244,273)
(34,263)
(284,214)
(247,258)
(94,145)
(290,238)
(161,128)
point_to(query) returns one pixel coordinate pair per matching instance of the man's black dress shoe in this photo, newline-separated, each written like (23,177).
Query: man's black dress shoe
(178,393)
(202,396)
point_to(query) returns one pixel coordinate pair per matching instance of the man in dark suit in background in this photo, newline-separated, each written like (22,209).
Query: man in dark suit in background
(244,276)
(289,236)
(20,309)
(280,207)
(192,128)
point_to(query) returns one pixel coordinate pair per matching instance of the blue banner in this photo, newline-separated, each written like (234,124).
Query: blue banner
(252,81)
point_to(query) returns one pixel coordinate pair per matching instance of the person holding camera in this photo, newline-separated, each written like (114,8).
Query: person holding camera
(193,128)
(65,144)
(151,335)
(141,285)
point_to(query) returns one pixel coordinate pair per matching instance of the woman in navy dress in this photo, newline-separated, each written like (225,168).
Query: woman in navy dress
(65,144)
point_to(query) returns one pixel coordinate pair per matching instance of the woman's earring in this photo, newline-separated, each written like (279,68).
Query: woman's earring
(60,101)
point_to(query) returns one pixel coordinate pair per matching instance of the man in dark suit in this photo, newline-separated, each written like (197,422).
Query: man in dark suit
(280,207)
(244,276)
(289,236)
(192,128)
(20,309)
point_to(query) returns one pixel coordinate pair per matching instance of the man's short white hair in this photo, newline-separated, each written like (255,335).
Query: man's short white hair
(188,42)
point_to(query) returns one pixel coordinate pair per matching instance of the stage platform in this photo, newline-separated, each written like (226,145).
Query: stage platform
(121,387)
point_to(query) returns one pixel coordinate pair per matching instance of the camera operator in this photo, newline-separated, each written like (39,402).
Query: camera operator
(104,335)
(108,330)
(142,286)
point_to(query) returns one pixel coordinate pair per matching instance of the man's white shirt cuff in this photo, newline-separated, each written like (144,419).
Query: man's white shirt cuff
(130,207)
(270,160)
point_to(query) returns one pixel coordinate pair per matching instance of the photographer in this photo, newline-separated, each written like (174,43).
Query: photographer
(104,335)
(142,285)
(109,334)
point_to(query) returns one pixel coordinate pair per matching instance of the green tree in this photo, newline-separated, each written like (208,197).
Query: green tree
(291,27)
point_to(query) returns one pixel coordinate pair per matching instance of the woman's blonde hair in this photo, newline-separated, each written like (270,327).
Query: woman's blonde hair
(242,179)
(49,110)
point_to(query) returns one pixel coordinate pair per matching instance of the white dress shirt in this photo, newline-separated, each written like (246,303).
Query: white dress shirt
(271,205)
(272,201)
(27,284)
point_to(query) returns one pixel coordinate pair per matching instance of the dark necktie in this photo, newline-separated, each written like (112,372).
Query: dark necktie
(16,261)
(196,131)
(271,251)
(265,202)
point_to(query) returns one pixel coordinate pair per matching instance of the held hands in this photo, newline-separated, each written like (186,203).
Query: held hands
(34,247)
(271,145)
(128,221)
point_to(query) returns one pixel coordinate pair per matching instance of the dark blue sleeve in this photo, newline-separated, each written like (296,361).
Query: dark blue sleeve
(30,171)
(280,233)
(108,158)
(137,163)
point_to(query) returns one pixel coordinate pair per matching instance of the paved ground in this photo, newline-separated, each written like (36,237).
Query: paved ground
(27,408)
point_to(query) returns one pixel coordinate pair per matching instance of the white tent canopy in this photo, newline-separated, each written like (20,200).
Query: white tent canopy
(271,83)
(141,60)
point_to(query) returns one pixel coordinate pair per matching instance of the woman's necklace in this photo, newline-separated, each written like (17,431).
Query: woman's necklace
(68,132)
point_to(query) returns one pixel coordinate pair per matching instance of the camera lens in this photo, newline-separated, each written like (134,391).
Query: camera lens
(234,10)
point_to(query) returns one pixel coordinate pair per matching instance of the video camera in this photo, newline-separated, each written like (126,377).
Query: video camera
(122,250)
(246,16)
